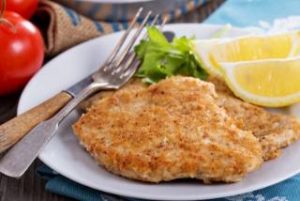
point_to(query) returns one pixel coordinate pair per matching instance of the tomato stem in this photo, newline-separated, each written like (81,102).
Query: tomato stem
(7,22)
(3,7)
(3,20)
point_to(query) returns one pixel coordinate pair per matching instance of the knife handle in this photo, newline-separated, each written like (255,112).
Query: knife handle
(13,130)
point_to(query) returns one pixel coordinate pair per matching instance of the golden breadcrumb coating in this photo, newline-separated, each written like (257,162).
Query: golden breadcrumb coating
(274,131)
(170,130)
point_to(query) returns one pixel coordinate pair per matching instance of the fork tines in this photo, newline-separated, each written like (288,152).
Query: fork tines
(127,57)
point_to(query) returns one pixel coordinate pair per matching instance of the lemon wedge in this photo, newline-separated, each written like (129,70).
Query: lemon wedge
(210,53)
(271,82)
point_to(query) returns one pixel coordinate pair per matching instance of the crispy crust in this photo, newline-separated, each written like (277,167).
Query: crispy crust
(274,131)
(171,130)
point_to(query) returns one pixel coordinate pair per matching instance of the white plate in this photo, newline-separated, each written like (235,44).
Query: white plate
(67,157)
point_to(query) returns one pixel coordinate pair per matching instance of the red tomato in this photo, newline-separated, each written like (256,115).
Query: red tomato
(25,8)
(21,52)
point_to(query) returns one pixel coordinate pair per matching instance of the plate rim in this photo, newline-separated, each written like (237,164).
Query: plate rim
(130,194)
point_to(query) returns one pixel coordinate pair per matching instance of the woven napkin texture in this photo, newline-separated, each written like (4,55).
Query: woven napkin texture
(63,27)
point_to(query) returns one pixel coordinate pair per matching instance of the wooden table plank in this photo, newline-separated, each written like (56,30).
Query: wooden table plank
(31,187)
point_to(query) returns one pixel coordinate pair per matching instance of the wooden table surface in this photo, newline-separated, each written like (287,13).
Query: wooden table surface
(31,187)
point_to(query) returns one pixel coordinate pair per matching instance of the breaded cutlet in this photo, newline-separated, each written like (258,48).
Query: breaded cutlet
(274,131)
(173,129)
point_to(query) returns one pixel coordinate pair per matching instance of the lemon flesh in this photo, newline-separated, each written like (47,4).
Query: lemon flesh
(210,53)
(271,83)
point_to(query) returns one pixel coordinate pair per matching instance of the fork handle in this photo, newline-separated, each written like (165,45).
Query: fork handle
(17,160)
(13,130)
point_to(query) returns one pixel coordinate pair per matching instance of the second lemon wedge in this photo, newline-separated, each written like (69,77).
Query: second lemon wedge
(271,83)
(212,52)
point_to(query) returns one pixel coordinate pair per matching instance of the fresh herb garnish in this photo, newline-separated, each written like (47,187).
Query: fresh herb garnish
(161,59)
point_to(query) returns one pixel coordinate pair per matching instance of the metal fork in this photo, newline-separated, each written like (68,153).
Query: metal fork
(117,70)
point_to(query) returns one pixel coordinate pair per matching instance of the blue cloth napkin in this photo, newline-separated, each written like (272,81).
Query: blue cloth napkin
(243,13)
(238,13)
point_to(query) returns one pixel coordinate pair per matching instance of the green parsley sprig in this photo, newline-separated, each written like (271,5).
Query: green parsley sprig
(161,59)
